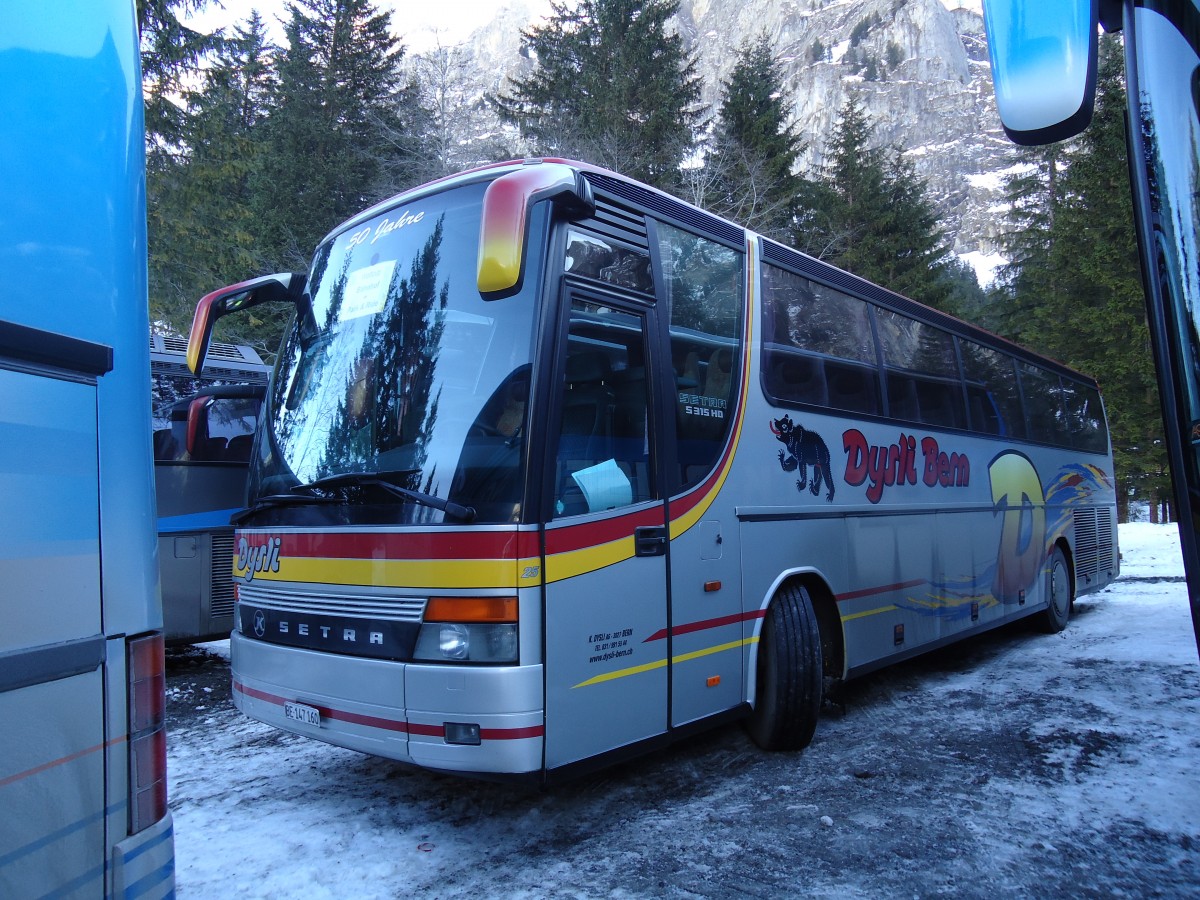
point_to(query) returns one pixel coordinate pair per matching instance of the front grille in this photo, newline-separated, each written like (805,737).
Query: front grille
(221,600)
(331,601)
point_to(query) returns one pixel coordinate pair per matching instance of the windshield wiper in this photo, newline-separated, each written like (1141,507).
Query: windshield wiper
(387,481)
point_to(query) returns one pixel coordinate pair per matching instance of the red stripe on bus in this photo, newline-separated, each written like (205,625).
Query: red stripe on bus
(706,624)
(884,589)
(326,711)
(603,531)
(420,545)
(487,734)
(62,760)
(511,734)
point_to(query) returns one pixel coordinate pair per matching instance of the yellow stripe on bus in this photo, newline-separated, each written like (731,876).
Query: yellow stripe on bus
(658,664)
(869,612)
(439,573)
(560,566)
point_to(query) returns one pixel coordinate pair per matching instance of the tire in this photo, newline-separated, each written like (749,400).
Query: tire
(789,673)
(1059,592)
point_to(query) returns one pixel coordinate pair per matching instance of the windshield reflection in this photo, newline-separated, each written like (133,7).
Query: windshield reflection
(410,371)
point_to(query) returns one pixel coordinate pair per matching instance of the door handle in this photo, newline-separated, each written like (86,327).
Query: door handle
(650,540)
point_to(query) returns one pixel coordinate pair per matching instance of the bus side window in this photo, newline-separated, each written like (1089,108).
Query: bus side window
(818,346)
(1043,395)
(923,381)
(705,295)
(994,400)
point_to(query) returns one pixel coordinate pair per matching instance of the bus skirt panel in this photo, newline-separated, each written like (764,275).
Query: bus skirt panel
(308,693)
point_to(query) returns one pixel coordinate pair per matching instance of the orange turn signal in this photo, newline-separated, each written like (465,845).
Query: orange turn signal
(471,609)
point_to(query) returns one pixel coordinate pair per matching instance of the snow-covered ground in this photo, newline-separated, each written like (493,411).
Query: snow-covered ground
(1011,764)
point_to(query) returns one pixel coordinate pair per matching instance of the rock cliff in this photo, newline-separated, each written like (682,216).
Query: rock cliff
(919,68)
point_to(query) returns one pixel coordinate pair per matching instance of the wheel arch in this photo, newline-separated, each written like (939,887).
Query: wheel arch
(1065,546)
(829,621)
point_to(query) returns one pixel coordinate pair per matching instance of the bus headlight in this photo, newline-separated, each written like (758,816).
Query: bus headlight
(454,641)
(458,642)
(469,629)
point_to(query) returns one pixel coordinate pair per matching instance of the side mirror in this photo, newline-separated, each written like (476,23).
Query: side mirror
(504,224)
(1043,56)
(282,288)
(197,424)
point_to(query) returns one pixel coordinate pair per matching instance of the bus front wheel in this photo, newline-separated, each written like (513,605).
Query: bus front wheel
(1058,593)
(789,673)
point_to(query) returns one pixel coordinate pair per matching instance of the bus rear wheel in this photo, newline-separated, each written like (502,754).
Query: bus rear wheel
(1058,593)
(789,673)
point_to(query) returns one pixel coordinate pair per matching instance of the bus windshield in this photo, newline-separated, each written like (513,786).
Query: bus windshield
(404,372)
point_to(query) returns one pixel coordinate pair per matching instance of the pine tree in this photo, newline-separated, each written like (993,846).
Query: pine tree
(875,216)
(337,135)
(201,226)
(1034,196)
(754,150)
(612,85)
(170,54)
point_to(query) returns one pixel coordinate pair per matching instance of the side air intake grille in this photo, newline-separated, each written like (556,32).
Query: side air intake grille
(668,207)
(1093,542)
(222,575)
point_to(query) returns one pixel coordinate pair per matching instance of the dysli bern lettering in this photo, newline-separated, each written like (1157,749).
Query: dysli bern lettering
(883,466)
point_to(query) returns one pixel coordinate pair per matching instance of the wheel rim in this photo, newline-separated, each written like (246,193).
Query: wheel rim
(1060,591)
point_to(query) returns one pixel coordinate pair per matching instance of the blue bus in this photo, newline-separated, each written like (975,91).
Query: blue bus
(83,747)
(203,433)
(1044,61)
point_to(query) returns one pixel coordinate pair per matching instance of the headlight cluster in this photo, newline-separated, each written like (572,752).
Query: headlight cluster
(469,629)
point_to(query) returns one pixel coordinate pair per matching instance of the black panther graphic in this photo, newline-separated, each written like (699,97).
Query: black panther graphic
(804,448)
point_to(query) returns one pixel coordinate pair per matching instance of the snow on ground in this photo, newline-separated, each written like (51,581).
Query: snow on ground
(1011,764)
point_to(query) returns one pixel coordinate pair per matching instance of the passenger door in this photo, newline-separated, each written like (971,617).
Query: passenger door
(606,540)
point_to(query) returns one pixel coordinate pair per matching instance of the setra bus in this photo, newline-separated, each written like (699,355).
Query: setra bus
(555,467)
(203,431)
(83,749)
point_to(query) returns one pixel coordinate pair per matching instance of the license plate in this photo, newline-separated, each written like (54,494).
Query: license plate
(298,712)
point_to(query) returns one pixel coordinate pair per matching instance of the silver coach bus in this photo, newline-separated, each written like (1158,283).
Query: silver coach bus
(555,467)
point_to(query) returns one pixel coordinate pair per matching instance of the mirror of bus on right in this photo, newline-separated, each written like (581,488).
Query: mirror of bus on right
(504,219)
(1043,56)
(285,287)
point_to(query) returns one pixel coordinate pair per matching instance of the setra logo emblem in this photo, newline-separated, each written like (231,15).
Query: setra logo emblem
(260,622)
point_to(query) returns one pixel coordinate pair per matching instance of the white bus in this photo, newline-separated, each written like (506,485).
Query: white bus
(83,800)
(203,435)
(555,467)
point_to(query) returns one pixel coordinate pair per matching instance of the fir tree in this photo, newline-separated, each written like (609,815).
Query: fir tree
(337,139)
(203,229)
(875,216)
(754,151)
(170,54)
(611,85)
(1034,195)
